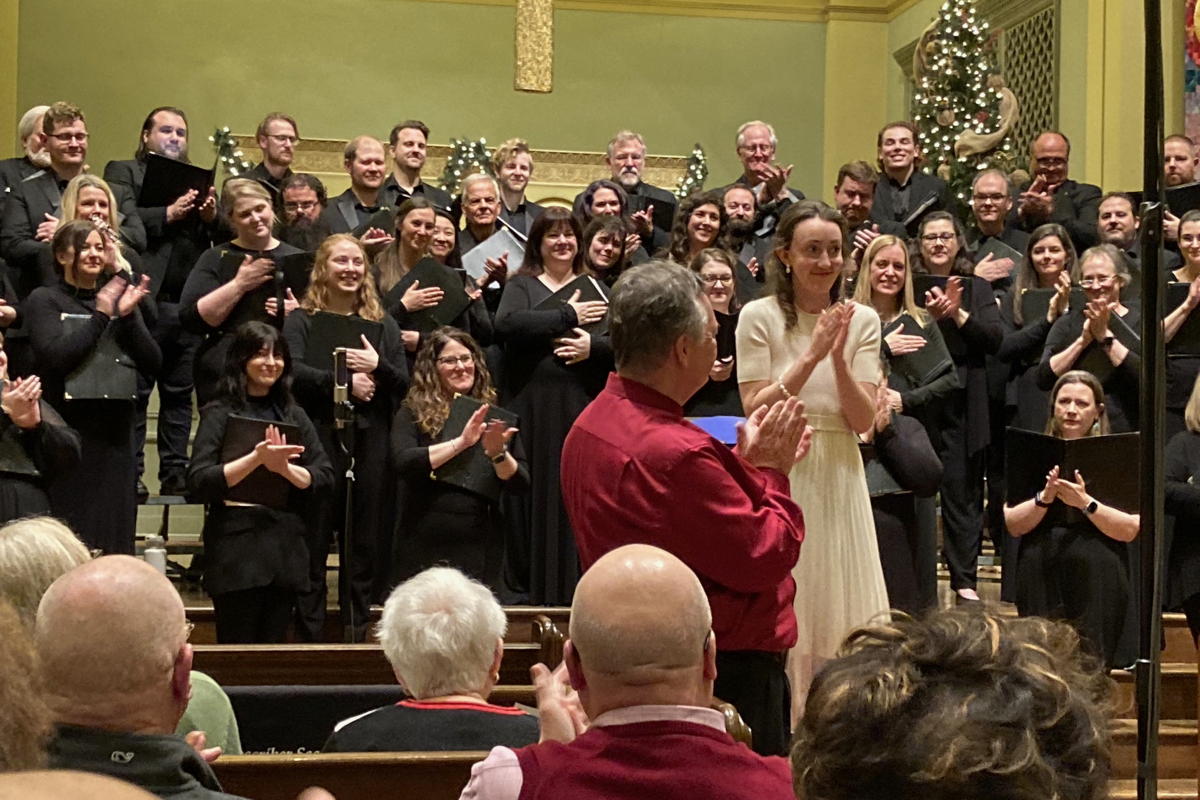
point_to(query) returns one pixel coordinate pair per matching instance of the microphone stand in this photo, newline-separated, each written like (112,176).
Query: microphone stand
(1149,544)
(344,431)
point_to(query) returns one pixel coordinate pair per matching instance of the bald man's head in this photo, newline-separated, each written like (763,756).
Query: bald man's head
(639,615)
(111,640)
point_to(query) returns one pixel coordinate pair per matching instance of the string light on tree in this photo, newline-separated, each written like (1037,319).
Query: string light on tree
(231,159)
(697,172)
(467,156)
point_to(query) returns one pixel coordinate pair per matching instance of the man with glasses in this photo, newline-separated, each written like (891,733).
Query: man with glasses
(277,137)
(905,194)
(31,215)
(651,208)
(303,200)
(756,147)
(1053,197)
(991,202)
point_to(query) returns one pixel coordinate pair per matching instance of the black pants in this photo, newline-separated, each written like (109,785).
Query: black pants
(757,685)
(253,616)
(962,505)
(174,394)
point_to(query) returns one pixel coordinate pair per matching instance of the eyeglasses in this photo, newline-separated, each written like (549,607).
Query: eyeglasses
(989,198)
(67,138)
(937,237)
(283,138)
(1051,161)
(1096,280)
(454,361)
(713,280)
(307,205)
(188,627)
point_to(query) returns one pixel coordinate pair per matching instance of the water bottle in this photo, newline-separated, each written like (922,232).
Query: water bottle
(155,553)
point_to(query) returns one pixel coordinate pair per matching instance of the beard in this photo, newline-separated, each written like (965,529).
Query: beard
(40,159)
(305,234)
(740,229)
(629,180)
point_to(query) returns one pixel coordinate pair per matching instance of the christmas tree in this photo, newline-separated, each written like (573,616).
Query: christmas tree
(962,110)
(697,171)
(231,159)
(467,156)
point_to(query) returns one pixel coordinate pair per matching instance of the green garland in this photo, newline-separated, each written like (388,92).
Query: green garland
(229,157)
(697,173)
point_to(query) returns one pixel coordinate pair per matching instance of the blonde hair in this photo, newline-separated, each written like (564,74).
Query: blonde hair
(34,552)
(366,305)
(70,201)
(862,287)
(508,150)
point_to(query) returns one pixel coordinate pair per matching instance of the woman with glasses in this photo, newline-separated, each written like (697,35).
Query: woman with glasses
(441,523)
(1087,337)
(719,396)
(970,324)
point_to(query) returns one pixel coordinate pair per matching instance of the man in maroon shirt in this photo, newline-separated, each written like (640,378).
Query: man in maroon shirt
(635,471)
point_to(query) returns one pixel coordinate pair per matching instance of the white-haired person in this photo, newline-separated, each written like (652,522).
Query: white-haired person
(443,634)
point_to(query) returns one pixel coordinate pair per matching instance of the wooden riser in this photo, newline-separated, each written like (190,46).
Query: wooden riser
(1176,750)
(1175,789)
(1178,687)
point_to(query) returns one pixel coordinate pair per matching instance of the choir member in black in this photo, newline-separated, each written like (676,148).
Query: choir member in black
(341,284)
(256,558)
(971,334)
(97,500)
(904,189)
(1103,272)
(439,521)
(699,223)
(32,435)
(604,253)
(1075,572)
(176,236)
(209,299)
(33,157)
(719,396)
(1183,503)
(303,199)
(605,198)
(1183,369)
(907,546)
(512,163)
(885,284)
(89,197)
(1048,264)
(552,370)
(443,244)
(991,202)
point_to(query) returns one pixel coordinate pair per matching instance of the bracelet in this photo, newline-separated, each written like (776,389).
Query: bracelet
(1037,500)
(786,394)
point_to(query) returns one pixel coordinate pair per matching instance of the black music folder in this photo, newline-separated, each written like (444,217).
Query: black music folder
(1106,463)
(327,332)
(726,335)
(1035,303)
(431,272)
(925,365)
(879,481)
(261,486)
(998,250)
(14,458)
(1186,341)
(108,373)
(1096,361)
(589,290)
(1180,199)
(383,219)
(294,270)
(167,179)
(663,215)
(471,469)
(923,282)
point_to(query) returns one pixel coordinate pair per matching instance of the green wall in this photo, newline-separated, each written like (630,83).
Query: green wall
(344,67)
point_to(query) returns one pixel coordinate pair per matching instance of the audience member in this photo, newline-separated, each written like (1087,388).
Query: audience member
(643,658)
(65,784)
(33,552)
(26,725)
(443,634)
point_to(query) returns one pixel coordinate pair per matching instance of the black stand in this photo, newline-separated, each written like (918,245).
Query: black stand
(344,431)
(1149,591)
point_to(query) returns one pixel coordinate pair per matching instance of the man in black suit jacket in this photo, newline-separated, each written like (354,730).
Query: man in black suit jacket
(991,204)
(31,214)
(1053,197)
(651,209)
(176,236)
(854,196)
(905,194)
(35,157)
(364,161)
(277,137)
(409,140)
(512,163)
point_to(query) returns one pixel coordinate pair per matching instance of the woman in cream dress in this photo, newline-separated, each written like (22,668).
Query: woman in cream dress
(798,340)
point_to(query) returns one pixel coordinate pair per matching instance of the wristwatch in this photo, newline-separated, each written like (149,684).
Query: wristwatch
(1107,341)
(499,457)
(1037,500)
(1091,507)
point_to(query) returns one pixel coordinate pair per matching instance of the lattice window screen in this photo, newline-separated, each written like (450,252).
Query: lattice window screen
(1027,57)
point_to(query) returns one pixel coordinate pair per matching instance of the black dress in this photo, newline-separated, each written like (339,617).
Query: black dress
(1027,404)
(547,394)
(98,499)
(206,277)
(1183,503)
(374,508)
(253,546)
(1120,387)
(440,523)
(52,448)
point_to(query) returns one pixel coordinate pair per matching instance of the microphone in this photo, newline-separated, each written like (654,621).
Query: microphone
(342,409)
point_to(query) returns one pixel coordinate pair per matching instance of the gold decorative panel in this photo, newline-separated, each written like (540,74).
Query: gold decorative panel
(533,70)
(1028,55)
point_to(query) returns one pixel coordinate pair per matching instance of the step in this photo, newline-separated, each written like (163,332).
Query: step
(1180,647)
(1173,789)
(1176,749)
(1178,688)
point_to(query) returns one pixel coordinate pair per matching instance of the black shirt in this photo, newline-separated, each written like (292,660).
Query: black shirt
(414,725)
(393,194)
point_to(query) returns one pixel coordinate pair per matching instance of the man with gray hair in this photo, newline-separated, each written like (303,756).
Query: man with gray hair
(34,157)
(111,641)
(651,208)
(991,202)
(642,657)
(481,207)
(443,634)
(634,470)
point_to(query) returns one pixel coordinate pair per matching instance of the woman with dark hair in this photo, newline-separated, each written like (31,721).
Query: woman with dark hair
(799,342)
(1103,272)
(211,302)
(604,254)
(1075,572)
(1182,369)
(443,242)
(700,223)
(341,284)
(719,396)
(67,324)
(552,370)
(256,558)
(1183,503)
(970,324)
(606,198)
(439,521)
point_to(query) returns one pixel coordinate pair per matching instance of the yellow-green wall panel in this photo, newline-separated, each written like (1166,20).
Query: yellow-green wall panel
(856,86)
(9,113)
